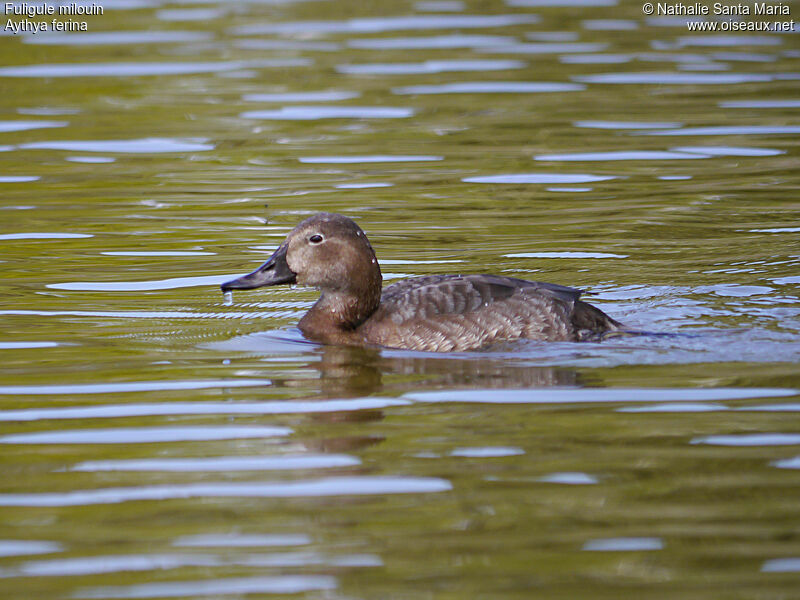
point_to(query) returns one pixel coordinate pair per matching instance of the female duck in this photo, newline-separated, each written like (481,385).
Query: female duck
(438,313)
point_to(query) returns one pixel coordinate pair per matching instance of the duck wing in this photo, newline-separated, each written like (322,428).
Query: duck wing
(462,312)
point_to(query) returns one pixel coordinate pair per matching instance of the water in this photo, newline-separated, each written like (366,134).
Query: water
(159,440)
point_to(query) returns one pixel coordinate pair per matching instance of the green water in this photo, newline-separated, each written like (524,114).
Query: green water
(157,443)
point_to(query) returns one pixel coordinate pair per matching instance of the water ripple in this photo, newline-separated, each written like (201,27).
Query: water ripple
(140,146)
(6,126)
(569,478)
(566,254)
(619,155)
(736,41)
(148,314)
(544,48)
(595,59)
(222,463)
(145,435)
(781,565)
(609,24)
(760,104)
(490,87)
(372,158)
(238,540)
(750,439)
(624,544)
(20,345)
(158,253)
(487,452)
(382,24)
(429,66)
(667,78)
(517,178)
(189,14)
(240,586)
(28,547)
(439,41)
(114,38)
(322,96)
(108,411)
(729,150)
(626,124)
(136,286)
(310,113)
(439,6)
(310,488)
(684,407)
(17,178)
(92,565)
(731,130)
(589,395)
(137,386)
(44,236)
(140,69)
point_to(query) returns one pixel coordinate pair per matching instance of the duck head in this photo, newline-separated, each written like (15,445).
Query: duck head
(327,251)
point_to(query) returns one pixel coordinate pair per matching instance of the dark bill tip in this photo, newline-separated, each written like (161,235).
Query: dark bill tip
(273,272)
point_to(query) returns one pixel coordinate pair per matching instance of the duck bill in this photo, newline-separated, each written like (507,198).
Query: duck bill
(273,272)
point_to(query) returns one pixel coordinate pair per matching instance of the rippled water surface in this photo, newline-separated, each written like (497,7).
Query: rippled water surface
(157,441)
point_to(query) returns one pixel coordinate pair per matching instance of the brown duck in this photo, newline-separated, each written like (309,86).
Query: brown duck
(437,313)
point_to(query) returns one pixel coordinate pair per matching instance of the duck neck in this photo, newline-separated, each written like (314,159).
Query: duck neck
(337,314)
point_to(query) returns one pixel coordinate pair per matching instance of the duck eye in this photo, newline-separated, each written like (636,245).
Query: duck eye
(315,239)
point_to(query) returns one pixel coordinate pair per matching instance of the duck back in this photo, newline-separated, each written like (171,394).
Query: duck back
(444,313)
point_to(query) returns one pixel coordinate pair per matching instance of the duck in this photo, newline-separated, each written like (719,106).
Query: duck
(433,313)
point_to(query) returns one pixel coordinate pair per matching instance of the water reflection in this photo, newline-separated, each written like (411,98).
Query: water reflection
(281,584)
(375,158)
(760,104)
(440,41)
(322,96)
(570,479)
(284,462)
(751,439)
(140,69)
(544,48)
(135,286)
(729,150)
(609,25)
(667,78)
(6,126)
(144,435)
(491,452)
(627,124)
(43,235)
(28,547)
(140,146)
(308,113)
(619,155)
(239,540)
(517,178)
(113,38)
(139,386)
(623,544)
(332,486)
(429,66)
(490,87)
(378,25)
(731,130)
